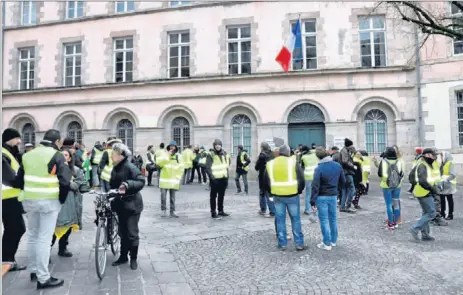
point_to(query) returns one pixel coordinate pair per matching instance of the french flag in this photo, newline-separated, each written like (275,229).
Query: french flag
(292,48)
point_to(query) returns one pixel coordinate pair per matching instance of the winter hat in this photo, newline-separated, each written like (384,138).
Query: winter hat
(390,153)
(284,150)
(265,146)
(430,151)
(202,148)
(113,141)
(28,145)
(348,142)
(418,150)
(69,141)
(217,141)
(9,134)
(173,142)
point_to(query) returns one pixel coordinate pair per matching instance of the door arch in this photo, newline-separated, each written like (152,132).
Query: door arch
(306,125)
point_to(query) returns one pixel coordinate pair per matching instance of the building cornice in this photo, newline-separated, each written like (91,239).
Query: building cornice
(126,14)
(213,78)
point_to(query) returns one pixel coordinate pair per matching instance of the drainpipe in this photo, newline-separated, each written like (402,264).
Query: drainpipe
(418,87)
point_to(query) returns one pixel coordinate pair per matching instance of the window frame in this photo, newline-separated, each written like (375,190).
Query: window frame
(79,132)
(375,122)
(179,45)
(179,3)
(74,56)
(25,132)
(371,30)
(75,8)
(242,126)
(124,139)
(32,7)
(239,40)
(458,105)
(126,10)
(181,143)
(304,43)
(28,60)
(124,59)
(460,15)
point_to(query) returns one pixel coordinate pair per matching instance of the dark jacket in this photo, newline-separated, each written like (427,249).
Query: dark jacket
(336,157)
(328,177)
(71,211)
(347,162)
(76,159)
(261,164)
(300,180)
(63,172)
(239,164)
(131,202)
(137,161)
(104,159)
(423,177)
(96,147)
(8,174)
(210,160)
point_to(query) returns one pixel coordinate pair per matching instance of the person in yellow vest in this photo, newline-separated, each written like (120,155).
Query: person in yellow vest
(217,166)
(44,179)
(171,165)
(448,174)
(284,181)
(309,162)
(160,152)
(95,159)
(188,157)
(427,179)
(366,170)
(202,157)
(106,163)
(418,152)
(439,219)
(12,210)
(242,168)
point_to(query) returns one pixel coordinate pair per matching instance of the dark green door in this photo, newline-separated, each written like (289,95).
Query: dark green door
(306,126)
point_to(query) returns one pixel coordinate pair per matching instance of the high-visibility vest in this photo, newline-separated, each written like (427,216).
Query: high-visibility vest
(9,192)
(108,168)
(97,155)
(38,183)
(220,166)
(433,176)
(366,169)
(310,161)
(283,177)
(171,171)
(243,161)
(385,167)
(203,158)
(227,156)
(446,172)
(187,156)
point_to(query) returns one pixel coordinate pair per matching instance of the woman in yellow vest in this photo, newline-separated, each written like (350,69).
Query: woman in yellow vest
(106,163)
(188,157)
(449,186)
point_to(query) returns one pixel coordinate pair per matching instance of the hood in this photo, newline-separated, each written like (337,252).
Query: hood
(326,159)
(14,150)
(390,153)
(446,156)
(305,149)
(348,142)
(172,143)
(217,141)
(265,146)
(98,147)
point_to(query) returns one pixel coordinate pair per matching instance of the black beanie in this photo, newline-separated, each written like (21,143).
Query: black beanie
(9,134)
(69,141)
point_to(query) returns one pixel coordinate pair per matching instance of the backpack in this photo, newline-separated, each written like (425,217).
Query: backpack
(393,175)
(412,176)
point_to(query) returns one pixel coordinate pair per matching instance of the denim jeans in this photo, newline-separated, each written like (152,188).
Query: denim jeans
(292,204)
(348,192)
(326,206)
(265,202)
(308,194)
(41,223)
(392,198)
(245,181)
(429,213)
(164,199)
(95,179)
(105,186)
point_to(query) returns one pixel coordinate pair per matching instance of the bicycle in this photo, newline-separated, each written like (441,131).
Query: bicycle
(107,229)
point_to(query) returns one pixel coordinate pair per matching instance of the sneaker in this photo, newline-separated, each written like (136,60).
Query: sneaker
(302,248)
(238,193)
(390,226)
(262,212)
(333,245)
(173,215)
(50,283)
(215,216)
(282,248)
(223,214)
(289,237)
(306,212)
(64,253)
(357,207)
(164,213)
(427,238)
(415,235)
(324,247)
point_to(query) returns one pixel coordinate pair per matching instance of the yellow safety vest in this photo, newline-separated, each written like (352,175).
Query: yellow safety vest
(310,163)
(446,172)
(108,168)
(385,167)
(9,192)
(220,166)
(433,176)
(203,158)
(243,161)
(283,177)
(366,169)
(38,183)
(171,171)
(187,157)
(97,155)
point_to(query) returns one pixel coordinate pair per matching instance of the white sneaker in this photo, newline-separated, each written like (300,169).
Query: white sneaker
(333,244)
(324,247)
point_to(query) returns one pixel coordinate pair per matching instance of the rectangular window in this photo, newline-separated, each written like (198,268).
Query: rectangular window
(307,59)
(372,31)
(178,3)
(123,59)
(457,14)
(239,49)
(459,96)
(125,6)
(72,64)
(74,9)
(28,12)
(26,68)
(179,55)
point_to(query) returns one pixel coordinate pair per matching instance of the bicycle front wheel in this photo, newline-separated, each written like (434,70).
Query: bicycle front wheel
(101,249)
(114,236)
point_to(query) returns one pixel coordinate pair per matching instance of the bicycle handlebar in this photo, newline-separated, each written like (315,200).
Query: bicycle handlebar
(108,193)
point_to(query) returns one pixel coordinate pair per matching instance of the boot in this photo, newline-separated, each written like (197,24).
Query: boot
(63,252)
(123,257)
(449,217)
(50,283)
(133,257)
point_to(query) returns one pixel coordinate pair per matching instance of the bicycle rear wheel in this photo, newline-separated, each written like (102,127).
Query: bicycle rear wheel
(101,249)
(114,238)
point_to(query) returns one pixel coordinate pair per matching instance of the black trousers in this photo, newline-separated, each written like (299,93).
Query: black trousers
(204,174)
(443,204)
(63,241)
(195,168)
(217,194)
(150,176)
(13,228)
(129,233)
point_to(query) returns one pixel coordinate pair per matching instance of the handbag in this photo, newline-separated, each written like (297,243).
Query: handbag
(84,188)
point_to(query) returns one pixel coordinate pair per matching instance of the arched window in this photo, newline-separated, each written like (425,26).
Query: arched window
(181,132)
(125,132)
(241,133)
(375,131)
(75,131)
(28,134)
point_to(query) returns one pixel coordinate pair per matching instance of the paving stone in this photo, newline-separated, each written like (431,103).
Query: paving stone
(170,277)
(165,266)
(176,289)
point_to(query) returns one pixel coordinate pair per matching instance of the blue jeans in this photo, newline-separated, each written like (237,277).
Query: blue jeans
(348,192)
(429,213)
(392,198)
(265,202)
(326,207)
(292,204)
(308,194)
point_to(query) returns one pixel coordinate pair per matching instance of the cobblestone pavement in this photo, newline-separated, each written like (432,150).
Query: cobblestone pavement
(237,255)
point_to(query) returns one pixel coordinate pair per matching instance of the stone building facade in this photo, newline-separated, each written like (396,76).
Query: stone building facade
(150,72)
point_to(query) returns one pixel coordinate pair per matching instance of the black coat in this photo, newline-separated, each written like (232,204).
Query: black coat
(261,164)
(131,202)
(137,161)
